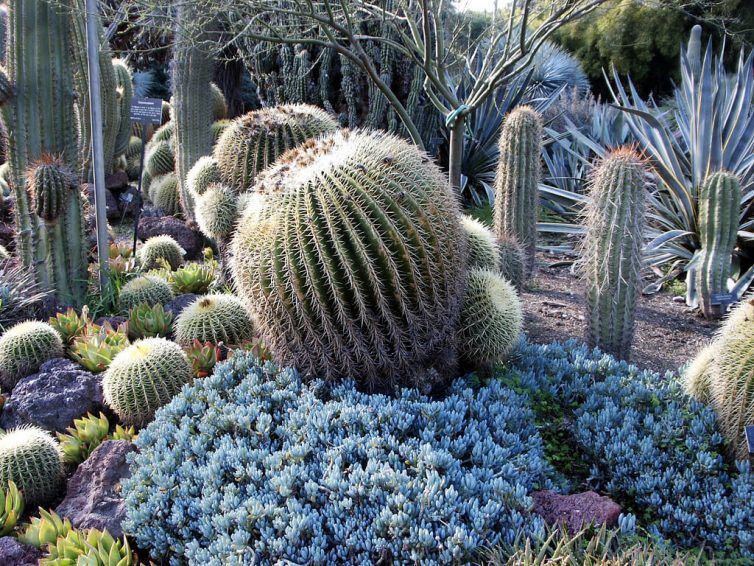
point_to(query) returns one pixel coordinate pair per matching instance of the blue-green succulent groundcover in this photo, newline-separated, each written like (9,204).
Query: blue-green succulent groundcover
(251,465)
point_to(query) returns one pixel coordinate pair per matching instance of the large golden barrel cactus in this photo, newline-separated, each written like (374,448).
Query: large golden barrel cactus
(351,261)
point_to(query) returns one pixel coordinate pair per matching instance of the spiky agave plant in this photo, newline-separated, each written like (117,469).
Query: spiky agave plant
(372,267)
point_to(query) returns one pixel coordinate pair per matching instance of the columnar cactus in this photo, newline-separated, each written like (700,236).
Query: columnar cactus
(214,318)
(517,180)
(255,140)
(144,377)
(612,250)
(719,201)
(482,249)
(193,102)
(147,290)
(38,109)
(352,264)
(30,457)
(25,347)
(59,205)
(124,95)
(731,380)
(511,261)
(159,248)
(491,318)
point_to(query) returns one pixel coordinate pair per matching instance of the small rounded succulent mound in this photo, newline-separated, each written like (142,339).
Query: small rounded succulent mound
(144,290)
(160,160)
(482,249)
(144,377)
(331,477)
(512,261)
(49,183)
(214,318)
(158,248)
(491,318)
(696,377)
(164,194)
(351,261)
(31,458)
(255,140)
(24,347)
(204,173)
(731,381)
(216,211)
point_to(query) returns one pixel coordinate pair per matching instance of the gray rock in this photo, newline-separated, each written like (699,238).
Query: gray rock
(177,305)
(13,553)
(129,201)
(576,511)
(61,391)
(190,240)
(93,497)
(117,181)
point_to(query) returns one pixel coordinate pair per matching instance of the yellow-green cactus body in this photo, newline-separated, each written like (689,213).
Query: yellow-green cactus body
(157,249)
(146,290)
(214,318)
(30,457)
(25,347)
(482,249)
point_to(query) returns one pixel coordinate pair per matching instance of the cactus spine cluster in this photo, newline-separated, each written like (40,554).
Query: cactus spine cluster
(214,318)
(25,347)
(482,249)
(730,378)
(517,180)
(30,457)
(719,201)
(160,248)
(193,102)
(491,318)
(147,290)
(144,377)
(352,263)
(612,250)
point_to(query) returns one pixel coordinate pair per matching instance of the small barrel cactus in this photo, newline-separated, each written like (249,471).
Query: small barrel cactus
(164,133)
(31,458)
(144,377)
(219,106)
(511,261)
(351,261)
(24,347)
(491,318)
(719,204)
(696,375)
(517,180)
(160,160)
(731,380)
(216,211)
(203,174)
(159,248)
(255,140)
(612,250)
(218,128)
(214,318)
(48,184)
(144,290)
(163,192)
(482,249)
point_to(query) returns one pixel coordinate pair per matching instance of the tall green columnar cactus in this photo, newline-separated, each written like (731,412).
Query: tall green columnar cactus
(517,180)
(58,203)
(351,261)
(124,95)
(694,50)
(612,250)
(37,111)
(719,203)
(192,105)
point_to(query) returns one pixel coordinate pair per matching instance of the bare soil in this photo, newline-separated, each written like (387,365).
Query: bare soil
(668,334)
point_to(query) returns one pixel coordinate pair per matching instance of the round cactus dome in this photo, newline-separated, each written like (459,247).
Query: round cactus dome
(31,458)
(491,318)
(483,251)
(204,173)
(214,318)
(159,248)
(24,347)
(255,140)
(144,290)
(216,211)
(351,260)
(144,377)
